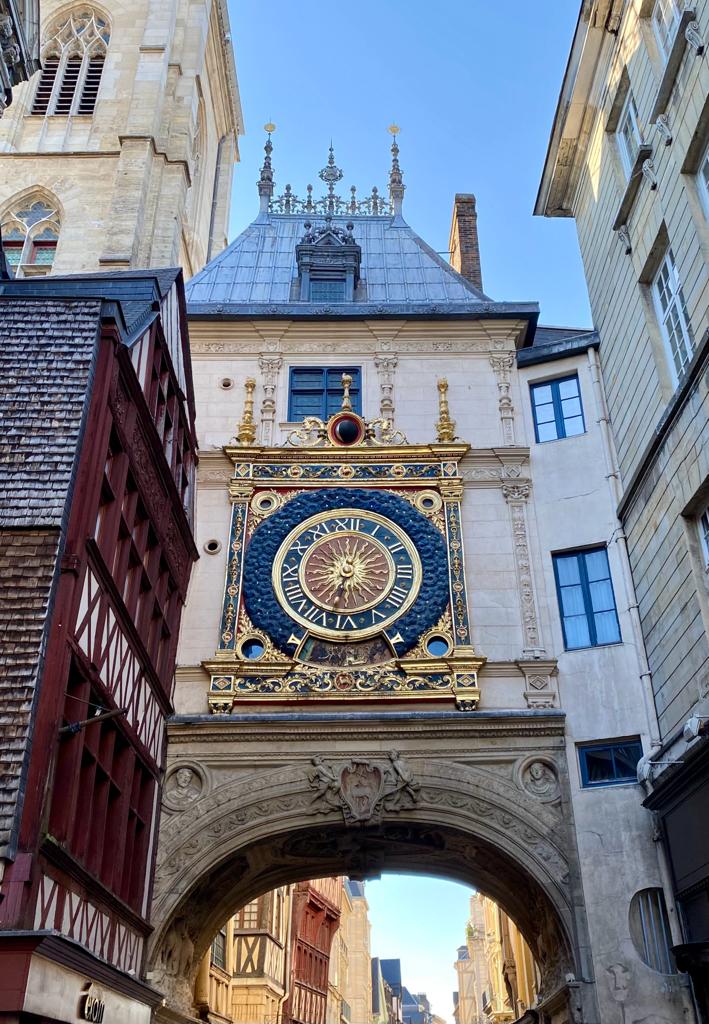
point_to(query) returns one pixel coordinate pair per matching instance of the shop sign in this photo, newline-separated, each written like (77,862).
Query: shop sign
(92,1005)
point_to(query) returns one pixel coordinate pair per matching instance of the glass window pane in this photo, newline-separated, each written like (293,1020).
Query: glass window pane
(574,426)
(569,388)
(599,764)
(576,630)
(567,568)
(597,564)
(572,601)
(607,630)
(541,393)
(544,413)
(626,757)
(601,595)
(547,432)
(571,407)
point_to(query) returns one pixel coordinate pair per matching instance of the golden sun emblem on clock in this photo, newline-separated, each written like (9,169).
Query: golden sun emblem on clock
(347,572)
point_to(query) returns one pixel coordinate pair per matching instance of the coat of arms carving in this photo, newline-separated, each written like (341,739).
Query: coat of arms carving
(363,789)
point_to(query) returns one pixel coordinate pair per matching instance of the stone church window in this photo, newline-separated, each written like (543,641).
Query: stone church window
(72,65)
(30,232)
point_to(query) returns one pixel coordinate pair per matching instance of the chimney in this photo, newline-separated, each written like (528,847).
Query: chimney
(463,242)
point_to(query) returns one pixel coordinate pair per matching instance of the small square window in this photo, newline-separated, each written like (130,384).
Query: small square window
(557,410)
(317,391)
(628,134)
(703,523)
(608,764)
(586,599)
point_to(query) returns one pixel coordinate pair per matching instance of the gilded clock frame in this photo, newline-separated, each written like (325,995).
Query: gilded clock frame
(344,513)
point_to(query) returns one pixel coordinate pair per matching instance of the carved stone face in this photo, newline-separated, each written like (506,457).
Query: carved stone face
(184,778)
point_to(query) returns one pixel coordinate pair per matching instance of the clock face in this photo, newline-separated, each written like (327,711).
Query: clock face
(346,573)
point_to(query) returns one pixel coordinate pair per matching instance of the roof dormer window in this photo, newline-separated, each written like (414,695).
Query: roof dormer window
(328,262)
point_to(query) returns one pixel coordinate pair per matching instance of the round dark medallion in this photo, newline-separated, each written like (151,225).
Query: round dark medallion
(346,428)
(347,431)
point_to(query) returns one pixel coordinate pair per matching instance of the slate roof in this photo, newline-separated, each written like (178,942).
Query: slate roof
(136,291)
(46,353)
(46,350)
(397,266)
(551,343)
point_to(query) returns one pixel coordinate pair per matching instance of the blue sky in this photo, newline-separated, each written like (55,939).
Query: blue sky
(421,921)
(473,89)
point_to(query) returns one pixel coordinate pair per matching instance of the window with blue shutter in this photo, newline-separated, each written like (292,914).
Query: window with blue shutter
(317,391)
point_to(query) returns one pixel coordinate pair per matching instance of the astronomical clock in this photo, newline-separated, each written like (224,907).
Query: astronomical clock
(345,575)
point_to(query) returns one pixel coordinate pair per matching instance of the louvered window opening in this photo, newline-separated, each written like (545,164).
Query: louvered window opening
(72,66)
(91,84)
(46,84)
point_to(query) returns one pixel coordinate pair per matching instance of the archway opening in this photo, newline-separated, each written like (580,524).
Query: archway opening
(247,880)
(400,949)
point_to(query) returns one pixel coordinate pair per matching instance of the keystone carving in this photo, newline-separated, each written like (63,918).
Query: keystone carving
(363,789)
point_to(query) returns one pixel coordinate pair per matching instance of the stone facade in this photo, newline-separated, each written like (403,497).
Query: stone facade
(657,400)
(144,180)
(521,502)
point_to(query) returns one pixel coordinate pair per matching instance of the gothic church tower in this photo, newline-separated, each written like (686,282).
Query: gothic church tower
(119,153)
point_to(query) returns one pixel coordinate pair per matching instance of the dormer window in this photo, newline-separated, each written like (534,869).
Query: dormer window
(327,289)
(328,263)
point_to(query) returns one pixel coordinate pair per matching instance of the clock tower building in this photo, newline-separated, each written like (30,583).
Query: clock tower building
(412,603)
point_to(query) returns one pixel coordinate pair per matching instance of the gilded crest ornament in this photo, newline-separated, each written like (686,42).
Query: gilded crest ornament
(362,789)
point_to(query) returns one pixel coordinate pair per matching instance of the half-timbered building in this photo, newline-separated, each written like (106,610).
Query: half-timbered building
(97,468)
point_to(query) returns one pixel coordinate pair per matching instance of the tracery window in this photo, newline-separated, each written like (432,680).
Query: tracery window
(30,232)
(72,64)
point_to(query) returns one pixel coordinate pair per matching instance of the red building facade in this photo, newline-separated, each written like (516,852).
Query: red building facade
(315,919)
(108,513)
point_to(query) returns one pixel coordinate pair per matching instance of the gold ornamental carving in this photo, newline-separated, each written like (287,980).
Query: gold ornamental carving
(445,427)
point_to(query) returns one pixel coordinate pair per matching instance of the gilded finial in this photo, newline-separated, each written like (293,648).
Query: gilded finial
(445,427)
(396,181)
(246,434)
(346,385)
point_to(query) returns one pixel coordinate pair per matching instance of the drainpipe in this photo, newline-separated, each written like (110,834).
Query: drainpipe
(613,477)
(215,195)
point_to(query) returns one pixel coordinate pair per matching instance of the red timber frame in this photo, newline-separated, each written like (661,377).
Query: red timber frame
(314,923)
(88,830)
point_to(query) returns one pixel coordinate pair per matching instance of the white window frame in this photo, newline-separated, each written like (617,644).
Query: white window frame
(703,528)
(666,16)
(703,181)
(671,310)
(629,117)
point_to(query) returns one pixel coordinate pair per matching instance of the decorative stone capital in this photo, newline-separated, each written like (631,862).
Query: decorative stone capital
(516,492)
(451,490)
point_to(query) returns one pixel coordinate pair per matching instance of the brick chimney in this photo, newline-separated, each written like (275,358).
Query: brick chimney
(463,242)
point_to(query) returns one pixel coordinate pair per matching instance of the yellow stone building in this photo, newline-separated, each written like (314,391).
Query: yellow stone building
(497,977)
(119,154)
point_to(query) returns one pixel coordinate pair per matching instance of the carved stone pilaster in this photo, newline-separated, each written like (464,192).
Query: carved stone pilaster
(502,363)
(516,495)
(386,368)
(270,366)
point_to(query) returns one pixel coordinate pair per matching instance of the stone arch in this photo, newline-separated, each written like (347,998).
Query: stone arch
(268,828)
